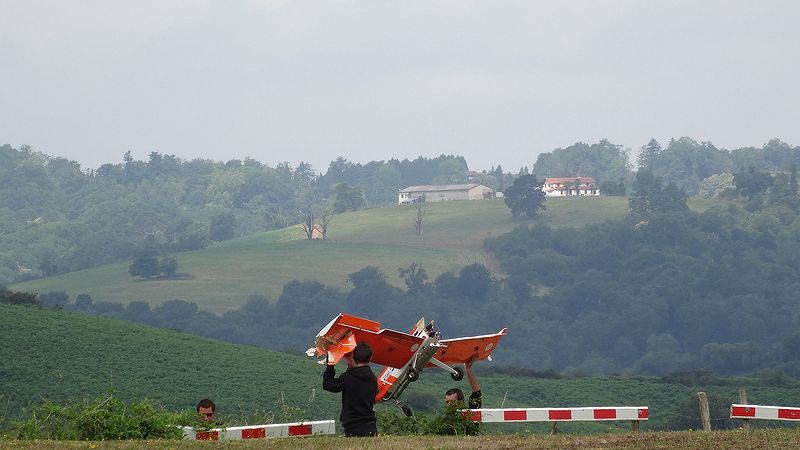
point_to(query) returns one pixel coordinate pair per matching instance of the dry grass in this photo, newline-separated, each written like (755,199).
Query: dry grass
(686,440)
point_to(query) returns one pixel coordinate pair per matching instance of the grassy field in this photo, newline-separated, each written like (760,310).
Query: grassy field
(221,277)
(687,440)
(61,356)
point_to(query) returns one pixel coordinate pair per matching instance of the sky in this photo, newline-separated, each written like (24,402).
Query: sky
(495,81)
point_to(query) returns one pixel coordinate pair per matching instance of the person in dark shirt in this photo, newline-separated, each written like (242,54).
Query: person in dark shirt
(358,386)
(454,400)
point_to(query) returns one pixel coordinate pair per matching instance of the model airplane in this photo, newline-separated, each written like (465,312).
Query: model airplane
(405,355)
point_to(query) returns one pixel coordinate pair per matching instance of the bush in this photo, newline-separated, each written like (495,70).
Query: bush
(106,418)
(452,422)
(17,298)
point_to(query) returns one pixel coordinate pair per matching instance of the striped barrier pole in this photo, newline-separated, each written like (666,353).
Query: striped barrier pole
(747,412)
(555,415)
(261,431)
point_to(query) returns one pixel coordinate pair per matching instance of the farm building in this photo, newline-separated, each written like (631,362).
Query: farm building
(570,187)
(444,192)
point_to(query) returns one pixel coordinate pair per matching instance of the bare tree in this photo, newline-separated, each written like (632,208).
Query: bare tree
(309,223)
(325,219)
(420,219)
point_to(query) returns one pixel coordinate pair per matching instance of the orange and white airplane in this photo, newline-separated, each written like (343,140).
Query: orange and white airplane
(405,355)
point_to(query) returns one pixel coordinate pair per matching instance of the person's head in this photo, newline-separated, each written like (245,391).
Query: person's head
(206,409)
(362,354)
(453,396)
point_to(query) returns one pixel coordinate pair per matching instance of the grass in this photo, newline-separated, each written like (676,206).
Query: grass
(61,356)
(221,277)
(687,440)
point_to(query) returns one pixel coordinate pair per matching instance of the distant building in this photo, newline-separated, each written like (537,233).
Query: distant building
(444,192)
(570,187)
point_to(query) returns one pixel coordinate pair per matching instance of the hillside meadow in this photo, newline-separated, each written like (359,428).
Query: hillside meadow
(221,277)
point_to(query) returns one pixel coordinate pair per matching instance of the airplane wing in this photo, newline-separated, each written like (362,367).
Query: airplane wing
(462,350)
(389,348)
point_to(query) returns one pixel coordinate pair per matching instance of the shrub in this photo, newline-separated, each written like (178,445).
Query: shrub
(452,422)
(105,418)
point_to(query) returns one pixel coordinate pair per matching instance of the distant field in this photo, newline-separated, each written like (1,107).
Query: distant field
(221,277)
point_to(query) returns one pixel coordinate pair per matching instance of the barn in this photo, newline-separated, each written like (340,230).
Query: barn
(444,192)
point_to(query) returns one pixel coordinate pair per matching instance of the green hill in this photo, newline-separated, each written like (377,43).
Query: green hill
(61,356)
(221,277)
(56,355)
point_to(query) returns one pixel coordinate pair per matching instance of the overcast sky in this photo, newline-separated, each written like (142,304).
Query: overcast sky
(496,81)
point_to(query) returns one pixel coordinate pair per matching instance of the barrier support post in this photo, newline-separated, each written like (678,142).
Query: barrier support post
(555,428)
(743,401)
(634,426)
(705,415)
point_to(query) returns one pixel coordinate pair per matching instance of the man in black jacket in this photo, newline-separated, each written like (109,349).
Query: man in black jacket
(358,386)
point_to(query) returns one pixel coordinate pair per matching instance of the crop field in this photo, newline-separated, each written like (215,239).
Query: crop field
(222,276)
(61,356)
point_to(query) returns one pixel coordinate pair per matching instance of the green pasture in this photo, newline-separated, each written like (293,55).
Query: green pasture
(221,277)
(62,356)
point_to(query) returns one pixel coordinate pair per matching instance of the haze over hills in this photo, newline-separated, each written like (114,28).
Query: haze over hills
(642,275)
(222,276)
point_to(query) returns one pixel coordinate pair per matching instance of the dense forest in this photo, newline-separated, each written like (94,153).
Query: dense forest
(663,290)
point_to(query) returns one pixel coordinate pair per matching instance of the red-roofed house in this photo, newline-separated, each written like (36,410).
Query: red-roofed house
(570,187)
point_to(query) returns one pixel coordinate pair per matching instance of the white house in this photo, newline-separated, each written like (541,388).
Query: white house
(444,192)
(570,187)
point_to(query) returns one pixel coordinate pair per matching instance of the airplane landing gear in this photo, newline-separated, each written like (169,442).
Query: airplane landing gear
(458,375)
(406,410)
(413,374)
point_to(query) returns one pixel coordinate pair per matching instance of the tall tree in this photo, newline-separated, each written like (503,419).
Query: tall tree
(650,196)
(415,278)
(525,196)
(648,154)
(222,226)
(348,198)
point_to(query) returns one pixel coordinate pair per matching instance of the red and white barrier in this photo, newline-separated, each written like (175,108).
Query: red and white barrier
(765,412)
(261,431)
(634,413)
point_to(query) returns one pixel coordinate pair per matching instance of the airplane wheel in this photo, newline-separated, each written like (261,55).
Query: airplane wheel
(412,374)
(407,410)
(459,375)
